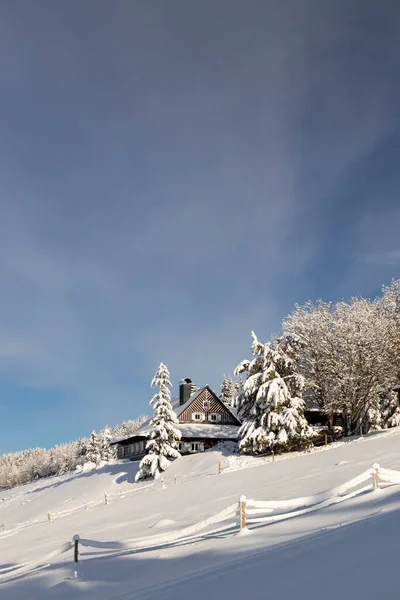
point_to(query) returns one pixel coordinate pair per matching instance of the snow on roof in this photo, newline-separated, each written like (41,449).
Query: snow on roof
(223,432)
(191,430)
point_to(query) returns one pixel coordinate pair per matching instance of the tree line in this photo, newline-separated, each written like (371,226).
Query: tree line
(342,358)
(18,468)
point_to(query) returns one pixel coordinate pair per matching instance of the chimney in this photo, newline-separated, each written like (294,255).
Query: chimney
(186,388)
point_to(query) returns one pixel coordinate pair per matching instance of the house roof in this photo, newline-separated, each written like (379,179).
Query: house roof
(191,430)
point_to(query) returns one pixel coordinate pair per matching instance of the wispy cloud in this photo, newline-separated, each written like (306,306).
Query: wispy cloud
(391,257)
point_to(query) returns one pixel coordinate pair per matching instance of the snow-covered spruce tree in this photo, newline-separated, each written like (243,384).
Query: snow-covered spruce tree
(228,390)
(107,452)
(271,403)
(164,437)
(93,454)
(82,449)
(237,398)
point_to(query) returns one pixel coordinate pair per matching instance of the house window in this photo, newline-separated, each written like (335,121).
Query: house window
(181,446)
(197,447)
(215,417)
(197,416)
(131,449)
(206,405)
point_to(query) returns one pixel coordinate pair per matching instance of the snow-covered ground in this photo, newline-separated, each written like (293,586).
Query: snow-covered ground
(154,541)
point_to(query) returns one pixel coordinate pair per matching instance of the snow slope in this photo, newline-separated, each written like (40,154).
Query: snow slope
(155,542)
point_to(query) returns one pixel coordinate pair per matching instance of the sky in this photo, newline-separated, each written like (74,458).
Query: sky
(174,175)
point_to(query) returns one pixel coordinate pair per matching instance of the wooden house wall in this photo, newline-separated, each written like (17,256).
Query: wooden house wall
(204,443)
(318,417)
(132,448)
(215,406)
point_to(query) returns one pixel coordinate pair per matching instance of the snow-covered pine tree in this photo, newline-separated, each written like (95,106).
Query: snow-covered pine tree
(162,446)
(228,390)
(271,403)
(239,385)
(93,454)
(107,452)
(82,447)
(247,393)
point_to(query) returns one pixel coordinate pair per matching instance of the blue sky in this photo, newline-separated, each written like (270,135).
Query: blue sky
(175,174)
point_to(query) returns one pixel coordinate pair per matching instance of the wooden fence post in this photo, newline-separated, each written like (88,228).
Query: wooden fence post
(48,516)
(375,466)
(3,527)
(326,439)
(219,467)
(105,499)
(75,539)
(273,456)
(175,478)
(242,504)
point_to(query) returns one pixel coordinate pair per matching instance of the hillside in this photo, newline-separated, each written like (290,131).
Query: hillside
(136,549)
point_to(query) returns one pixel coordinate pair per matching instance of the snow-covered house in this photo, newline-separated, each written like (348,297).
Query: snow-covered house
(204,421)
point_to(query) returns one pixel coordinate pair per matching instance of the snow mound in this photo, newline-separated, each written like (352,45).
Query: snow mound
(243,532)
(164,523)
(120,477)
(89,466)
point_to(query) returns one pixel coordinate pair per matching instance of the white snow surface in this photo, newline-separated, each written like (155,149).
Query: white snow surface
(195,430)
(315,528)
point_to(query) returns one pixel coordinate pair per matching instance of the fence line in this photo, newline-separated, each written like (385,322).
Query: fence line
(152,541)
(13,528)
(247,512)
(255,511)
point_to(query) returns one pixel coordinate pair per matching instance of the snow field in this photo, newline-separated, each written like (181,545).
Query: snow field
(147,540)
